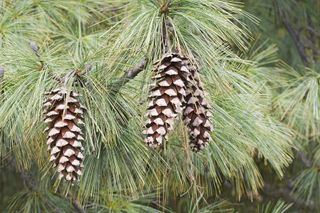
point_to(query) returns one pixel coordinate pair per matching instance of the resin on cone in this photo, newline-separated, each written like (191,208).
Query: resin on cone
(63,115)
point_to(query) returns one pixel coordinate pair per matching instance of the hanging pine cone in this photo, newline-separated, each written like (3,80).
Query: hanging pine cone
(63,115)
(196,113)
(167,97)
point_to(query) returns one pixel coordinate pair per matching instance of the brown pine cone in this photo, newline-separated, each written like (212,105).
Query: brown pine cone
(167,97)
(63,115)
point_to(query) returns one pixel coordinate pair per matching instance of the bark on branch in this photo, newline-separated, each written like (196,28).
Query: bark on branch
(78,207)
(127,76)
(307,162)
(135,70)
(26,176)
(313,38)
(296,39)
(285,193)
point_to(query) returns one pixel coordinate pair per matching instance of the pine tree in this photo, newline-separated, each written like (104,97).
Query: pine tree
(295,88)
(211,62)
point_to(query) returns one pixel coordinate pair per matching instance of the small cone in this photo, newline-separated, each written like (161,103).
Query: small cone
(196,113)
(63,114)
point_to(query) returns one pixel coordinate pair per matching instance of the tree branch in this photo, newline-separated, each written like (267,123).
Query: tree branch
(313,39)
(1,73)
(26,176)
(307,162)
(296,39)
(132,73)
(78,207)
(285,193)
(127,76)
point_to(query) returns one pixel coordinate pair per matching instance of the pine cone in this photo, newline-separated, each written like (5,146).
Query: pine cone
(196,113)
(167,97)
(63,115)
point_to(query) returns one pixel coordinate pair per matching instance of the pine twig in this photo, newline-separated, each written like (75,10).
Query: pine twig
(26,176)
(307,162)
(285,192)
(35,49)
(2,70)
(132,73)
(296,39)
(313,38)
(78,207)
(127,76)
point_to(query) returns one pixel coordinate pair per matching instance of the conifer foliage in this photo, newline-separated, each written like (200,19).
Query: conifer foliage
(63,115)
(110,46)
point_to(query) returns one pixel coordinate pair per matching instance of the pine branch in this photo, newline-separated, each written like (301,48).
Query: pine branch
(78,207)
(296,39)
(1,73)
(26,176)
(35,48)
(285,193)
(132,73)
(313,38)
(127,76)
(307,162)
